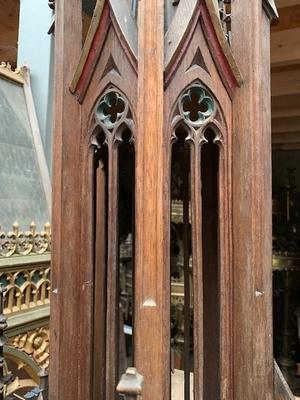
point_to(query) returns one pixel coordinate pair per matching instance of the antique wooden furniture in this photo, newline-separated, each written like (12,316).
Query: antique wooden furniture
(158,82)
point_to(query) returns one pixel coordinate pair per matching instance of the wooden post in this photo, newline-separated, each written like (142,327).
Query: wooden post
(70,372)
(252,235)
(151,245)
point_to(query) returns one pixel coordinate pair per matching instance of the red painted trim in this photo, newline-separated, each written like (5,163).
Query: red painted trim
(214,45)
(219,57)
(94,53)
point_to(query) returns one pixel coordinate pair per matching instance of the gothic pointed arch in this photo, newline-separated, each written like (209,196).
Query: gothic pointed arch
(180,33)
(108,15)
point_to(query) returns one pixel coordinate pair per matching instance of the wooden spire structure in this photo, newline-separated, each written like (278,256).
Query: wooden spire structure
(144,86)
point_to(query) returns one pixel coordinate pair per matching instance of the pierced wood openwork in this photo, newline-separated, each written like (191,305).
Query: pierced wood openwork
(156,147)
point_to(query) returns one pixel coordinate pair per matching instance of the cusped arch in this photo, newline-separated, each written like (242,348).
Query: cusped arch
(206,109)
(111,115)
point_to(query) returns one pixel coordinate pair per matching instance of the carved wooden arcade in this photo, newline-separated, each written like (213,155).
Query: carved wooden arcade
(151,114)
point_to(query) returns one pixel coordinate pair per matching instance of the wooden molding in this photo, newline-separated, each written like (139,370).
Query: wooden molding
(105,13)
(88,43)
(220,49)
(223,42)
(180,33)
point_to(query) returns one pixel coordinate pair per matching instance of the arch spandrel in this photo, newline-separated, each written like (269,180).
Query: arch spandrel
(181,19)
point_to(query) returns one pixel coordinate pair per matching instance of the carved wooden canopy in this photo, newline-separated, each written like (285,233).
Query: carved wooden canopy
(185,16)
(150,87)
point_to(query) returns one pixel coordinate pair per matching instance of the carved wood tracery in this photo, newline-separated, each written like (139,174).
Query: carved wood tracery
(197,111)
(111,116)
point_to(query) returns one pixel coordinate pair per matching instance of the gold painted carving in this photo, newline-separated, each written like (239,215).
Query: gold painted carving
(27,288)
(23,243)
(7,72)
(35,344)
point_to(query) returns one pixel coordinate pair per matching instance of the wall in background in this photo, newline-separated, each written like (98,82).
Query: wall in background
(35,48)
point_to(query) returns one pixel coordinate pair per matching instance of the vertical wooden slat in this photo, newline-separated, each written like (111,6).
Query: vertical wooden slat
(197,269)
(186,267)
(152,326)
(69,365)
(225,266)
(252,258)
(100,285)
(112,320)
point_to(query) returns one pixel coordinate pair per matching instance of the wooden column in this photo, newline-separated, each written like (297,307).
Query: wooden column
(151,345)
(252,190)
(112,318)
(69,355)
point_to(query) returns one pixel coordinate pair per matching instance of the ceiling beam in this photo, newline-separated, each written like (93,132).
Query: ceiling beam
(283,125)
(289,18)
(286,106)
(286,141)
(9,15)
(286,113)
(286,3)
(285,47)
(286,82)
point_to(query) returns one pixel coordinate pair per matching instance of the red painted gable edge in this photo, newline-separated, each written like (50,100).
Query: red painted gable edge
(222,64)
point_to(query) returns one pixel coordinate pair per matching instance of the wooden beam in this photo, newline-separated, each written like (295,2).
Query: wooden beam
(284,83)
(286,106)
(286,3)
(281,125)
(286,113)
(285,47)
(284,68)
(289,18)
(286,138)
(70,311)
(151,313)
(252,187)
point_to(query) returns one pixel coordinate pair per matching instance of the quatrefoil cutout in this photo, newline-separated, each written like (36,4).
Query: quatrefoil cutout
(111,109)
(197,106)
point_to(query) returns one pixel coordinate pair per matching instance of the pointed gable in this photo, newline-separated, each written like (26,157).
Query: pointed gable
(189,14)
